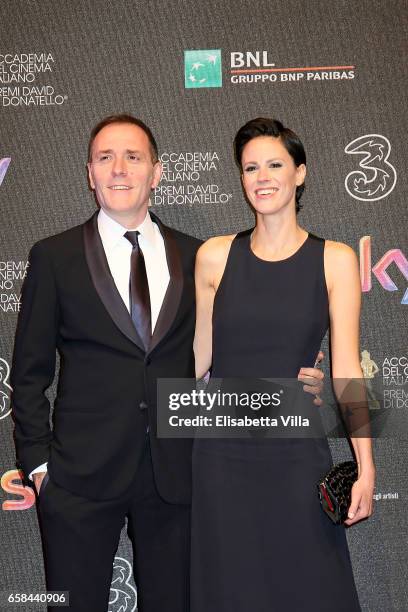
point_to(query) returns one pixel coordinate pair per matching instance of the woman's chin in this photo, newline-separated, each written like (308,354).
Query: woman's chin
(268,207)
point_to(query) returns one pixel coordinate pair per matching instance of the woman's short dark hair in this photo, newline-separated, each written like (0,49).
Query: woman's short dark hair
(124,118)
(272,127)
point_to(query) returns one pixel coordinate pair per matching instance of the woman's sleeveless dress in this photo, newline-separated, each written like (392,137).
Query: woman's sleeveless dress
(260,540)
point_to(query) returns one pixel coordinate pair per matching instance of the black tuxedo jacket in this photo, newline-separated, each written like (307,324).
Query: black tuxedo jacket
(106,392)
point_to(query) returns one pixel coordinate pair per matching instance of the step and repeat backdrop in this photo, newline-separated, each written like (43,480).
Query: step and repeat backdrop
(335,72)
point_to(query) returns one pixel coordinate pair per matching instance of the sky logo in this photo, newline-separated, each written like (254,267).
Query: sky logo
(380,269)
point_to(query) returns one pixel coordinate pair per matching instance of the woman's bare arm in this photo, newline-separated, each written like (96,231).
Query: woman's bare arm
(210,264)
(343,282)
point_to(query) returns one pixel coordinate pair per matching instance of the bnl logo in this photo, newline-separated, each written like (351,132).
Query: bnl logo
(395,256)
(4,164)
(202,68)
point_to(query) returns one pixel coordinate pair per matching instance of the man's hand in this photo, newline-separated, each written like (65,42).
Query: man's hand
(313,379)
(38,477)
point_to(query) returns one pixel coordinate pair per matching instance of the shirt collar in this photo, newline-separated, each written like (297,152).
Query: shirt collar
(111,232)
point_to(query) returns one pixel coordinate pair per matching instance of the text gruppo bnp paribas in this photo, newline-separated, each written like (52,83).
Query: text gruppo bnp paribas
(255,67)
(189,178)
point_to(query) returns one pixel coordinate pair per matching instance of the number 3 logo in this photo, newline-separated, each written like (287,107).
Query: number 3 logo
(377,177)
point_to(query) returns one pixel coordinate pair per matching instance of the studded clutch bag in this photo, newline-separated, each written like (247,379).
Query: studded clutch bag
(335,490)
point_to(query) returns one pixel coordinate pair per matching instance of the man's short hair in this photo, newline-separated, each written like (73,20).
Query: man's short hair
(124,118)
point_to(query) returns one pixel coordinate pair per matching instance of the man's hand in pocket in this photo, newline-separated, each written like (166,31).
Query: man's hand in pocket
(37,479)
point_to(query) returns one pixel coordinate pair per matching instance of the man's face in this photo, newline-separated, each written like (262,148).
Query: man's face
(121,170)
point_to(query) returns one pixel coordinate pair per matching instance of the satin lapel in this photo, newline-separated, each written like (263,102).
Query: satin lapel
(172,298)
(104,283)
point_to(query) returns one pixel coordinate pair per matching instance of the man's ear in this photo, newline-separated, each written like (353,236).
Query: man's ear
(90,178)
(157,174)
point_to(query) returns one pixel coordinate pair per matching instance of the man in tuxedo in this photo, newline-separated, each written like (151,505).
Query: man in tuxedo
(115,298)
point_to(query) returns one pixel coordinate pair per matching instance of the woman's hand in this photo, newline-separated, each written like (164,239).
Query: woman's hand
(313,380)
(361,506)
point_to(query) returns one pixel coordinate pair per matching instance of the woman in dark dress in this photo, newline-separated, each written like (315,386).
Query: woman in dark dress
(265,299)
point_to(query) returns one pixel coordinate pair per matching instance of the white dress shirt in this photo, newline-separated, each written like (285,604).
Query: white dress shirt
(118,251)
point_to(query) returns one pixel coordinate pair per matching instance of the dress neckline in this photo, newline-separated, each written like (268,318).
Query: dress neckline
(276,261)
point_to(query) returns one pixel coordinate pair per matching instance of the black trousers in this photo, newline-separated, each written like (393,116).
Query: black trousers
(80,538)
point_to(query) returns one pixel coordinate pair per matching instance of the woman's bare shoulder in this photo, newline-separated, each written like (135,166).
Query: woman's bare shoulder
(339,254)
(341,265)
(215,250)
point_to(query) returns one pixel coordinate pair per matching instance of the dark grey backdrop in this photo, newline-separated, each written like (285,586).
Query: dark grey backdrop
(128,55)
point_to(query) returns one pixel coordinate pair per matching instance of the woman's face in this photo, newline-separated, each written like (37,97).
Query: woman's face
(269,174)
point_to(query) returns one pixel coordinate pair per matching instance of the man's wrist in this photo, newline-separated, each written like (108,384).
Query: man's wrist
(38,470)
